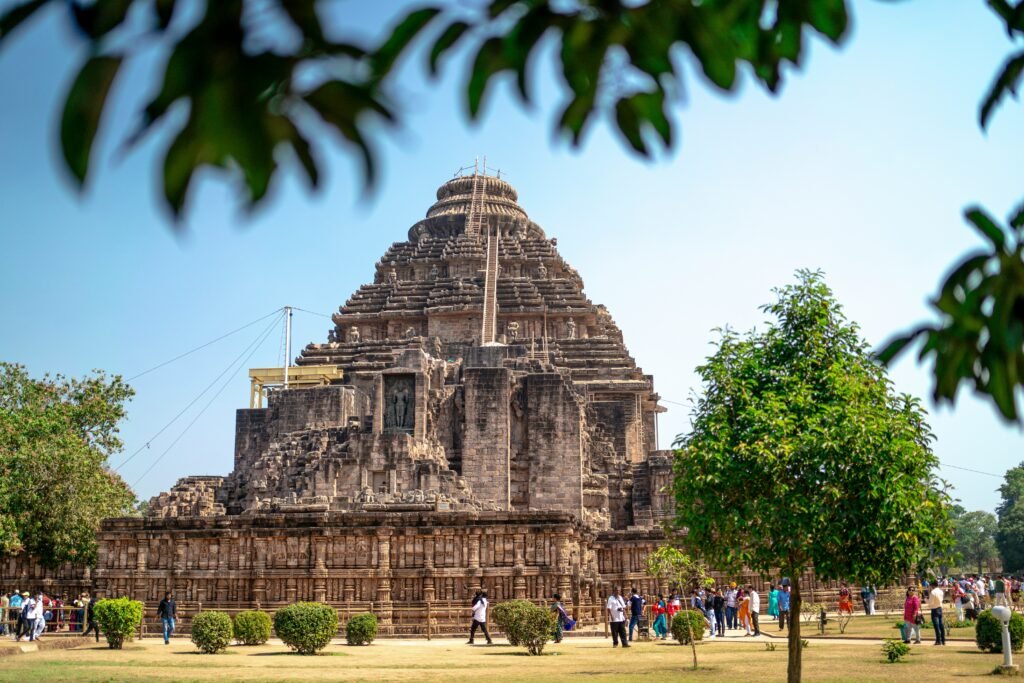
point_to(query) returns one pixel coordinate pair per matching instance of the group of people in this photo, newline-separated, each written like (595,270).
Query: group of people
(24,615)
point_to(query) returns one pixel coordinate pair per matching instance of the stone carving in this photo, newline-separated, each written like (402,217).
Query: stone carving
(410,332)
(542,271)
(434,272)
(353,335)
(399,403)
(513,330)
(570,329)
(392,276)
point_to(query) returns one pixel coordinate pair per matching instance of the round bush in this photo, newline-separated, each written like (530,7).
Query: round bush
(989,632)
(506,614)
(679,630)
(534,627)
(212,631)
(252,627)
(361,629)
(119,619)
(306,627)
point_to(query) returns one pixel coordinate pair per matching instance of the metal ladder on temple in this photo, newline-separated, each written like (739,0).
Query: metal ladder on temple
(488,332)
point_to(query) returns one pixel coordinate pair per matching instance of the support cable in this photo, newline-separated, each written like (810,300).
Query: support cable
(201,393)
(254,348)
(203,346)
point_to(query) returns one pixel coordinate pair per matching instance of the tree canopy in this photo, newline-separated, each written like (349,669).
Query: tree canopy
(56,435)
(974,535)
(1010,527)
(801,454)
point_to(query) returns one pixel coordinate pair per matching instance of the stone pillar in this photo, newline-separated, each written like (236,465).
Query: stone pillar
(319,569)
(384,579)
(259,568)
(474,573)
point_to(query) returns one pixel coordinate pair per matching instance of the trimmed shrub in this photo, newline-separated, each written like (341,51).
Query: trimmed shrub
(306,627)
(252,627)
(697,623)
(212,631)
(534,627)
(895,650)
(361,629)
(506,614)
(119,619)
(989,632)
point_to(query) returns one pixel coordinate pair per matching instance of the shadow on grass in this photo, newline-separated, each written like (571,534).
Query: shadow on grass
(197,652)
(296,654)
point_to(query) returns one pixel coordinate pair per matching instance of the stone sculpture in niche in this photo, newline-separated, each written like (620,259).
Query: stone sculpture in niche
(570,329)
(353,335)
(399,403)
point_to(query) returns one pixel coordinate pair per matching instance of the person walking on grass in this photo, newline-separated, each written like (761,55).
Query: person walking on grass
(90,617)
(731,606)
(912,618)
(616,608)
(773,602)
(755,608)
(479,617)
(784,617)
(935,606)
(636,611)
(660,612)
(718,604)
(561,616)
(167,610)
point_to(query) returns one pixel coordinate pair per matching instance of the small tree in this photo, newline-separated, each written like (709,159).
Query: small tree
(212,631)
(811,457)
(306,627)
(119,620)
(670,564)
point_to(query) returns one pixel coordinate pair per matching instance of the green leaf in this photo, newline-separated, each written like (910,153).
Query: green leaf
(1017,217)
(445,42)
(180,163)
(12,18)
(403,34)
(828,17)
(489,61)
(83,109)
(896,346)
(1007,81)
(986,226)
(629,125)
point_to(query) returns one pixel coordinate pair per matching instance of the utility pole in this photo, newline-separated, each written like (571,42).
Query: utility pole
(287,342)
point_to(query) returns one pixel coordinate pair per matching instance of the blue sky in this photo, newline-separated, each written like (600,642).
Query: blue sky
(862,167)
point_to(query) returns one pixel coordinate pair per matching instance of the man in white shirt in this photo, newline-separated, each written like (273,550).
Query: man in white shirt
(730,606)
(981,588)
(617,617)
(935,605)
(479,617)
(40,621)
(755,608)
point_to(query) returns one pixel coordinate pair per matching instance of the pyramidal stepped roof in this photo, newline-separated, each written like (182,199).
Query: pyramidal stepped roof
(431,287)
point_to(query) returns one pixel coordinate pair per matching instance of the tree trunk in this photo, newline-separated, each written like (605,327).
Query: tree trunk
(795,649)
(693,640)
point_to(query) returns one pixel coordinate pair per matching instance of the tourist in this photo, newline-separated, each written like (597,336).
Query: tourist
(709,612)
(660,612)
(616,608)
(25,625)
(743,614)
(167,610)
(959,597)
(912,617)
(981,590)
(16,613)
(845,601)
(5,602)
(784,602)
(1000,592)
(636,611)
(773,601)
(561,618)
(479,617)
(38,616)
(719,607)
(935,605)
(755,608)
(90,617)
(730,606)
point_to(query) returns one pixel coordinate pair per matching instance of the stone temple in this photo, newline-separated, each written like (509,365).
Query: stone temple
(472,419)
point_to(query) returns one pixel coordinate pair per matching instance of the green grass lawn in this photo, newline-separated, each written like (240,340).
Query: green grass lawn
(877,626)
(731,659)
